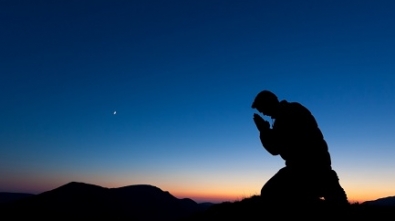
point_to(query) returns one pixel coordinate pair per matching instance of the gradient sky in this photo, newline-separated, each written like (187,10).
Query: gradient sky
(181,76)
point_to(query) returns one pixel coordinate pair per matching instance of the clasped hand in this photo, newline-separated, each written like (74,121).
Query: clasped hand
(260,123)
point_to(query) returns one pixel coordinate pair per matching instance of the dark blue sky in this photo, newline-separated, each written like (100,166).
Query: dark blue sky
(181,76)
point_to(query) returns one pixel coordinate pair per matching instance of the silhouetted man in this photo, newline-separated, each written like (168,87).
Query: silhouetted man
(295,136)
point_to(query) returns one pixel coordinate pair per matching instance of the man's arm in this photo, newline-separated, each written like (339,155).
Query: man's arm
(268,142)
(267,135)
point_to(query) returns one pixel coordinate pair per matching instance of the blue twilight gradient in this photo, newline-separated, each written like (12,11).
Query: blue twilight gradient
(181,76)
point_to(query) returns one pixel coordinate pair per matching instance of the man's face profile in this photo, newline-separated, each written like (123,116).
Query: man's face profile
(264,110)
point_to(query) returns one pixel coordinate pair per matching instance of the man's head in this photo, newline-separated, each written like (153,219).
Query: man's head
(267,103)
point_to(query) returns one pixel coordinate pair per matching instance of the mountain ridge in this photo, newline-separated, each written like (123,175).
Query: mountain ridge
(78,199)
(384,201)
(140,202)
(21,195)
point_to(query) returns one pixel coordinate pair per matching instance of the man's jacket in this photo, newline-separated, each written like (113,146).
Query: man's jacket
(295,136)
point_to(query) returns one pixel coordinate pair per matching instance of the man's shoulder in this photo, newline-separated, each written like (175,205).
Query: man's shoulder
(287,104)
(293,108)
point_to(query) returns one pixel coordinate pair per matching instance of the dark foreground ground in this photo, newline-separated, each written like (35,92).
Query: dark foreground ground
(96,204)
(253,209)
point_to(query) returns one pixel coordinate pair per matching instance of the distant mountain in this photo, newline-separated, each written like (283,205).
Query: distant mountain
(386,201)
(80,200)
(10,197)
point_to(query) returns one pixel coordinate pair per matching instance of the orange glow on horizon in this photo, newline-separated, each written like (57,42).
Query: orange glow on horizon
(226,198)
(217,198)
(357,191)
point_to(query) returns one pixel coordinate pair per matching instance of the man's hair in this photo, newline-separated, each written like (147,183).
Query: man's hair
(264,97)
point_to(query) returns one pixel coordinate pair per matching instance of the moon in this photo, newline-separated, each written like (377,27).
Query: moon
(115,112)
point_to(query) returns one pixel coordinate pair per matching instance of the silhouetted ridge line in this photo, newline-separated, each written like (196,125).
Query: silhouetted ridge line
(81,200)
(385,201)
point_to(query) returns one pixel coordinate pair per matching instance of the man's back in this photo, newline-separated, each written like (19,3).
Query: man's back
(301,141)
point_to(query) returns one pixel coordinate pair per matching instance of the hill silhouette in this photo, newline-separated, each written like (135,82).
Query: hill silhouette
(10,197)
(146,202)
(385,201)
(80,200)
